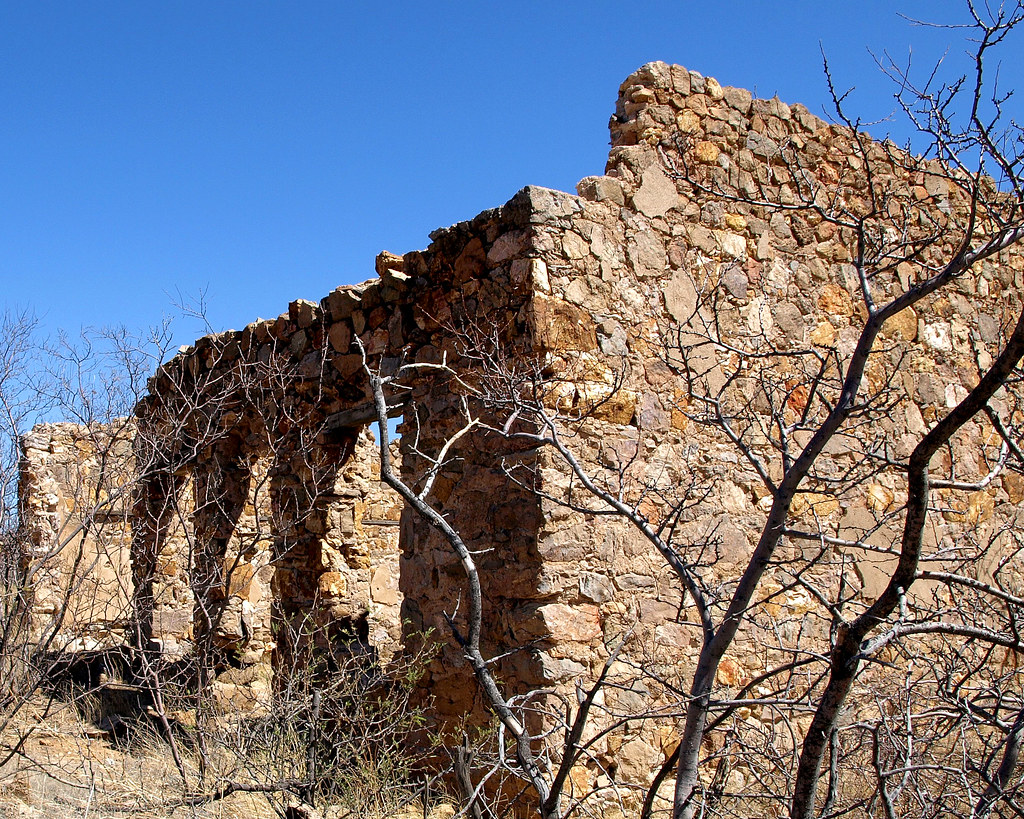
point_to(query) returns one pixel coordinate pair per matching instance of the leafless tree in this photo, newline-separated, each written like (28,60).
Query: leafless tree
(835,404)
(51,600)
(16,366)
(512,712)
(224,431)
(331,728)
(871,698)
(945,613)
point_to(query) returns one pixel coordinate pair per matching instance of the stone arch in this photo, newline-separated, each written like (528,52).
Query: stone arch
(320,586)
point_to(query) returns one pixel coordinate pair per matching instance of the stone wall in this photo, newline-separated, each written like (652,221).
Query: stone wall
(691,279)
(679,245)
(75,486)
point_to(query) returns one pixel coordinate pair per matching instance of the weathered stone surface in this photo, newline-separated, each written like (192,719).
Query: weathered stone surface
(597,588)
(340,336)
(646,254)
(579,623)
(76,512)
(681,297)
(602,189)
(657,194)
(903,324)
(558,325)
(735,281)
(706,151)
(790,321)
(386,263)
(835,301)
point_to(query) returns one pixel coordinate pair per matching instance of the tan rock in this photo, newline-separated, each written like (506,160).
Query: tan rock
(736,222)
(647,255)
(383,587)
(558,325)
(733,245)
(580,623)
(601,189)
(680,405)
(581,778)
(937,335)
(636,758)
(332,584)
(706,152)
(668,740)
(734,498)
(532,273)
(657,194)
(505,247)
(688,122)
(673,635)
(386,262)
(681,297)
(835,301)
(239,578)
(937,184)
(979,508)
(824,335)
(597,588)
(303,312)
(738,98)
(574,246)
(811,507)
(903,325)
(729,673)
(1013,485)
(879,498)
(615,407)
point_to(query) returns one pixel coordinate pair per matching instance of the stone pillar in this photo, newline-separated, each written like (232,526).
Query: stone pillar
(162,561)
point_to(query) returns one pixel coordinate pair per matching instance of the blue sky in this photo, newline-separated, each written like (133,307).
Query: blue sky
(267,151)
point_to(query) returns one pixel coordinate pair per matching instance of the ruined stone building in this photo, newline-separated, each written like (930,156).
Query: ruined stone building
(637,300)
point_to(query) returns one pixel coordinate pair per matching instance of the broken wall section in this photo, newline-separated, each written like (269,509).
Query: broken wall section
(669,287)
(293,392)
(75,488)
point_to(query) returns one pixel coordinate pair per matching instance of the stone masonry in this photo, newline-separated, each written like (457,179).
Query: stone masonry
(258,502)
(76,484)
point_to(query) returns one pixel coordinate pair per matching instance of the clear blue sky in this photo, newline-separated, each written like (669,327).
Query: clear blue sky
(267,151)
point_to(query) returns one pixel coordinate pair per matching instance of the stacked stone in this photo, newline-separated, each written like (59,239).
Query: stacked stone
(670,249)
(275,502)
(75,513)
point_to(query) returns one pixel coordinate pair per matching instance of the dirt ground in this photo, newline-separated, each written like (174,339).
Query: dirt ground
(69,767)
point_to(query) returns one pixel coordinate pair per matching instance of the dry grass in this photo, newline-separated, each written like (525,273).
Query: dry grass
(68,768)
